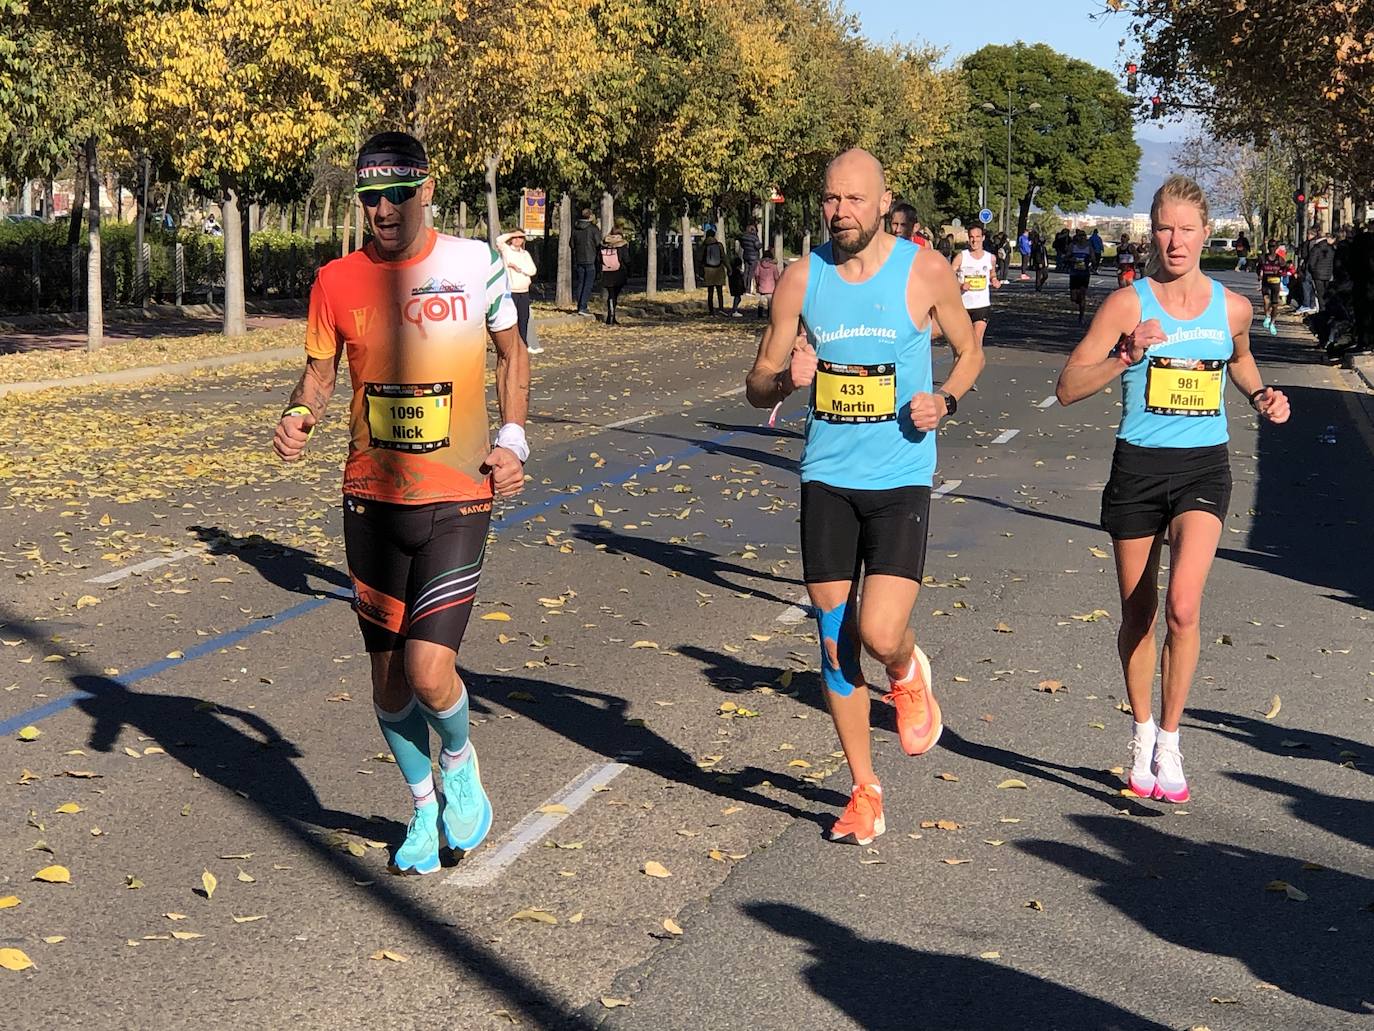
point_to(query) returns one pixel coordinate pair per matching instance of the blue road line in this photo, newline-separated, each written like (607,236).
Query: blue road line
(128,680)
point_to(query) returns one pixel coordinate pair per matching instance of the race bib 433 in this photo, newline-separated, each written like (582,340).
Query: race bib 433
(410,417)
(855,393)
(1184,386)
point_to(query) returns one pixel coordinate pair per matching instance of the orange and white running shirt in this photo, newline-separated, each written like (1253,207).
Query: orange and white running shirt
(416,334)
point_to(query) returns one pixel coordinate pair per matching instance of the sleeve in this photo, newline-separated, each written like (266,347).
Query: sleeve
(322,338)
(500,307)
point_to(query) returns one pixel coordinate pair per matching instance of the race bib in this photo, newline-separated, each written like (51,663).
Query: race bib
(976,283)
(1273,279)
(410,417)
(855,393)
(1184,386)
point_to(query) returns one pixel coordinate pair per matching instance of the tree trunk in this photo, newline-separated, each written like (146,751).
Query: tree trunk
(141,287)
(326,213)
(283,219)
(493,215)
(563,293)
(825,228)
(47,200)
(347,227)
(1023,207)
(651,261)
(607,211)
(95,311)
(463,218)
(358,222)
(689,274)
(305,215)
(231,220)
(74,229)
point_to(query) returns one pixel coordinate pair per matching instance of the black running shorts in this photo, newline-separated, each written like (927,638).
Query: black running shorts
(980,314)
(1270,291)
(414,568)
(1151,485)
(845,532)
(1079,280)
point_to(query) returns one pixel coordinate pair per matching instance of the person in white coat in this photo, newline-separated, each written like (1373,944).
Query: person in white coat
(520,270)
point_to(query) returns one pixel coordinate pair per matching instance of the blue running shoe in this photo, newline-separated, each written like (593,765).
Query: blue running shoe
(467,810)
(419,853)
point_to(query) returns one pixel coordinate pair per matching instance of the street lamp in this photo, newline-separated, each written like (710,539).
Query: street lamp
(1008,114)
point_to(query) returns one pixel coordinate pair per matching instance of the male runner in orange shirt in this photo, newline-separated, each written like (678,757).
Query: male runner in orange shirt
(413,309)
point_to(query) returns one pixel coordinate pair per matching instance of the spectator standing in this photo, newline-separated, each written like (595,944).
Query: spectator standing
(946,246)
(520,271)
(713,271)
(1321,266)
(1095,242)
(1306,288)
(765,282)
(615,270)
(1023,247)
(1040,260)
(750,250)
(1062,243)
(738,286)
(586,244)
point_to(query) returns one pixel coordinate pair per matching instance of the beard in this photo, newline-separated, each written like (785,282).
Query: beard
(852,239)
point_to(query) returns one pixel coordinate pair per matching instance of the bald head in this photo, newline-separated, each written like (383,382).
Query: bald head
(854,199)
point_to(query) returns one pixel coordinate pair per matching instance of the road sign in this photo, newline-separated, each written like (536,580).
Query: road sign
(985,216)
(956,223)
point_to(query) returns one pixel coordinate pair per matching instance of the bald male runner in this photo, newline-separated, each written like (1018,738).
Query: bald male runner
(851,325)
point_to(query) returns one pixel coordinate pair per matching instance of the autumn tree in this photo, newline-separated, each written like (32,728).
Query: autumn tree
(1075,146)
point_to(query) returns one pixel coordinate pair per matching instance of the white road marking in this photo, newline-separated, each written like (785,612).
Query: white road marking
(1049,402)
(483,868)
(1004,436)
(143,567)
(796,612)
(945,488)
(631,421)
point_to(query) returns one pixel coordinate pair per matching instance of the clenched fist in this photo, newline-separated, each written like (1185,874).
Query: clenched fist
(802,370)
(292,433)
(1132,348)
(926,411)
(507,472)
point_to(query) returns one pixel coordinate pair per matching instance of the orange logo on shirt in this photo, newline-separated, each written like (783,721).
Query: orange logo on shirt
(435,308)
(362,320)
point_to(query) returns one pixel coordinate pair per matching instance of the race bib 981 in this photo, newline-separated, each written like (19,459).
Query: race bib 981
(410,417)
(855,393)
(1184,386)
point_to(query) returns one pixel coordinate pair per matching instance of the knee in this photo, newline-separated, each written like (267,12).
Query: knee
(1183,616)
(1138,617)
(431,682)
(883,643)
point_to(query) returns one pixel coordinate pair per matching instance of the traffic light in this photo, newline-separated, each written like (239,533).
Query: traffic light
(1299,198)
(1156,108)
(1132,81)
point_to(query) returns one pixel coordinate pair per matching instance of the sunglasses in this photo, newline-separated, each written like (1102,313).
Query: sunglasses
(397,195)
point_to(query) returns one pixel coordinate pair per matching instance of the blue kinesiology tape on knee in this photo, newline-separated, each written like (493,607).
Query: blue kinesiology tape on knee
(407,735)
(844,677)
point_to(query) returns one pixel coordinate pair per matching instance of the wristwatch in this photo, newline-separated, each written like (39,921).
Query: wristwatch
(951,403)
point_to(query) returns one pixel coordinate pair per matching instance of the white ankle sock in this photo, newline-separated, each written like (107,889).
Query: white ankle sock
(1167,737)
(910,672)
(1146,733)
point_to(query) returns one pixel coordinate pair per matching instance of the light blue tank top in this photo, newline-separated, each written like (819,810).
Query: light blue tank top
(1175,396)
(873,358)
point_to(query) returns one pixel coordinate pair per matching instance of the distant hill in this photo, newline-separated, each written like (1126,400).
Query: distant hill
(1156,163)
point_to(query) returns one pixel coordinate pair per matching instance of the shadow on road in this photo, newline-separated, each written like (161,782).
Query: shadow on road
(1345,817)
(244,753)
(698,563)
(1210,898)
(1270,737)
(280,565)
(599,722)
(885,986)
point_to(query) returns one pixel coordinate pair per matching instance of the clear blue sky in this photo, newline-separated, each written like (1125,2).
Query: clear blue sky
(962,27)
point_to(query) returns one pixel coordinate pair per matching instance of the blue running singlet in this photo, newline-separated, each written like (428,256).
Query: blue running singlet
(872,359)
(1175,395)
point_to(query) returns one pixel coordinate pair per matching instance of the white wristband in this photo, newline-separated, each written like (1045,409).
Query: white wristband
(511,436)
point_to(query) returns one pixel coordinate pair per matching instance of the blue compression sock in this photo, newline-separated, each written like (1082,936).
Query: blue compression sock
(844,677)
(452,727)
(407,735)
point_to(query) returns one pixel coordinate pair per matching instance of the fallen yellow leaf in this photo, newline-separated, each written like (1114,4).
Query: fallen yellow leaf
(29,733)
(209,883)
(611,1003)
(1012,782)
(15,959)
(185,936)
(539,916)
(656,869)
(86,601)
(54,875)
(497,617)
(395,957)
(9,901)
(671,926)
(1274,708)
(247,919)
(68,808)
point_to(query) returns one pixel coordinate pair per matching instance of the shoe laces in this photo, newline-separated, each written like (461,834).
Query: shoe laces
(860,800)
(1170,755)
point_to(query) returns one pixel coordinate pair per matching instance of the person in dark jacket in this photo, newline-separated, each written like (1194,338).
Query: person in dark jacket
(750,251)
(615,270)
(1321,267)
(586,247)
(737,286)
(714,272)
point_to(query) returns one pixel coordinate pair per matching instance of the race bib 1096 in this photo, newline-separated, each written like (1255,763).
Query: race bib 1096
(410,417)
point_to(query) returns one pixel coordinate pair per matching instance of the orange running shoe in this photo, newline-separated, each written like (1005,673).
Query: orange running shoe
(918,713)
(862,819)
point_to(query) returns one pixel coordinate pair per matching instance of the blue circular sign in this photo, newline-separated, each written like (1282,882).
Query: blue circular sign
(985,216)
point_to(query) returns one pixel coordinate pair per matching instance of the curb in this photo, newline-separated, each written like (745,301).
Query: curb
(149,313)
(1363,366)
